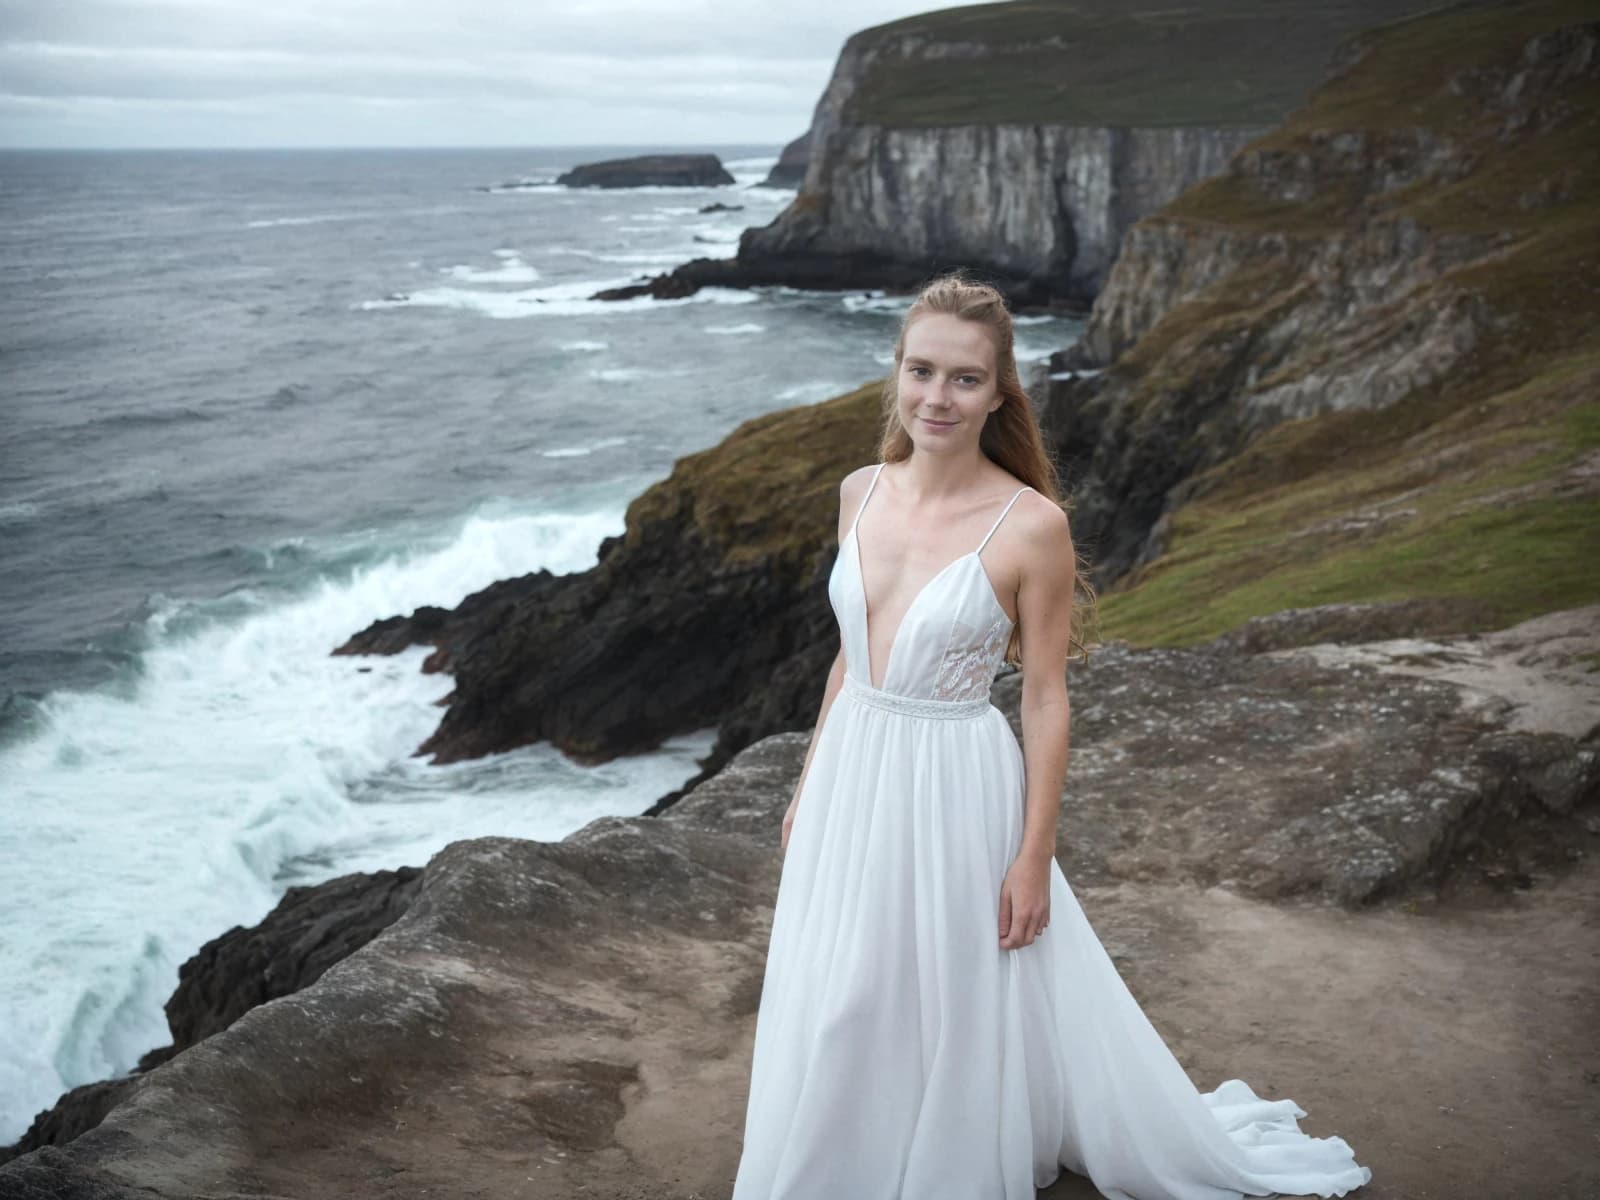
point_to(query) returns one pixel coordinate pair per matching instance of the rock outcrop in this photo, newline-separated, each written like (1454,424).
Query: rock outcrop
(1267,844)
(647,170)
(711,609)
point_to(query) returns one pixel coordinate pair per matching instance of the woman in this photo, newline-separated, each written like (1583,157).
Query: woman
(937,1018)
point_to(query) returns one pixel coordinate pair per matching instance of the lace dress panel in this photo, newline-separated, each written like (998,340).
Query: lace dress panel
(968,667)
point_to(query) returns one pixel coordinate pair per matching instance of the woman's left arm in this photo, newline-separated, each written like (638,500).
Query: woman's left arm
(1044,612)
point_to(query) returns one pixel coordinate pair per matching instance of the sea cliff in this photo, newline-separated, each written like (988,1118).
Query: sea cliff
(1024,139)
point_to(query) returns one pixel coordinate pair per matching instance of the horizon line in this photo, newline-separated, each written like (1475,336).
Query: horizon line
(381,146)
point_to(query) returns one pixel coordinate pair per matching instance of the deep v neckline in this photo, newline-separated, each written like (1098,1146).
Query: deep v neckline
(894,642)
(861,579)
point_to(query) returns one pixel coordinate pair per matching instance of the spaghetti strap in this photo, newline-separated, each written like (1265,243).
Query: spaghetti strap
(997,520)
(867,496)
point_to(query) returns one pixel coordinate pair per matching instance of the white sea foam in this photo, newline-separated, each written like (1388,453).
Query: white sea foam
(747,327)
(582,451)
(585,345)
(317,219)
(511,270)
(369,215)
(244,758)
(556,300)
(1034,352)
(875,301)
(661,258)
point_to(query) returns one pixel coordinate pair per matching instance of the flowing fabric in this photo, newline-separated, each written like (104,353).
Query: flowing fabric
(900,1052)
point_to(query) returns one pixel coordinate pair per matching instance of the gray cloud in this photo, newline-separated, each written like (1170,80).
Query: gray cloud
(164,72)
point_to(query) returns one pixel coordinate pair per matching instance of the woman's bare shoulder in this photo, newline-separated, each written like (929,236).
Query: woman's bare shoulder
(1042,522)
(852,491)
(854,485)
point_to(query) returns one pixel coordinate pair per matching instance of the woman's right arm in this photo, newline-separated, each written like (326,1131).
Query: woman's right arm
(835,681)
(851,489)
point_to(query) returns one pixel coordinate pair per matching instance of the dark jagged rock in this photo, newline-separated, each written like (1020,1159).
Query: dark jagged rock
(719,206)
(555,1019)
(711,608)
(309,930)
(650,170)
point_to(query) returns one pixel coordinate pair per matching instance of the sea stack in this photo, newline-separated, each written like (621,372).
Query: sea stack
(650,170)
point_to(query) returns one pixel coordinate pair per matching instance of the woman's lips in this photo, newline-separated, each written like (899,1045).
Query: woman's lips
(937,424)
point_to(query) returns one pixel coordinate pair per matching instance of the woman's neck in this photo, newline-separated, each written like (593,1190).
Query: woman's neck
(935,477)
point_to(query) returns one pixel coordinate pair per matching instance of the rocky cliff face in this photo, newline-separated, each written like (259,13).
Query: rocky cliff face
(1043,207)
(1329,826)
(1384,266)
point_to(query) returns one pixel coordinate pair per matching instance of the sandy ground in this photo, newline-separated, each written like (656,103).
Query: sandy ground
(1457,1051)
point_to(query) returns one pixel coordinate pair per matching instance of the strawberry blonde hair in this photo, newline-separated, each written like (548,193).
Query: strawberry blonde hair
(1010,437)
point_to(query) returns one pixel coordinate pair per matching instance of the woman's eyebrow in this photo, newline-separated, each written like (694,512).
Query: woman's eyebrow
(913,358)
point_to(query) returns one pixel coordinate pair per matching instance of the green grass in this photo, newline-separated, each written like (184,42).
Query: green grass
(1514,563)
(1150,63)
(1492,527)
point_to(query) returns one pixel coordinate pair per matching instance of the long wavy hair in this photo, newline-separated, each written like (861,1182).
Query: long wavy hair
(1010,437)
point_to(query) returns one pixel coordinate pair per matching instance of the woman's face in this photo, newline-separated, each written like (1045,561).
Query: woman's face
(947,382)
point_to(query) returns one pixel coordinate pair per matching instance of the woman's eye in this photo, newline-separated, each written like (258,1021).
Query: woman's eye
(969,380)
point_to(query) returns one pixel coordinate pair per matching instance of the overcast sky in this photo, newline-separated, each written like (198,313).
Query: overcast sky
(122,73)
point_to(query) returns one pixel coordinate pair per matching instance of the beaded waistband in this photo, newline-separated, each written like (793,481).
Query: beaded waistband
(915,706)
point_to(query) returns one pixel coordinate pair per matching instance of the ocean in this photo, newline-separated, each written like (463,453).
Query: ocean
(251,401)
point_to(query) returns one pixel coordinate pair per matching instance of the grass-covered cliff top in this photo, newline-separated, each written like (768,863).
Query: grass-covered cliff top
(769,491)
(1106,62)
(1480,489)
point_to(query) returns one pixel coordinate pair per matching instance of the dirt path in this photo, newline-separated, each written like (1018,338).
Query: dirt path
(1457,1051)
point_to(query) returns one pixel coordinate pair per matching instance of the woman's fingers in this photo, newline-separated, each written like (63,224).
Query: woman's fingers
(1024,926)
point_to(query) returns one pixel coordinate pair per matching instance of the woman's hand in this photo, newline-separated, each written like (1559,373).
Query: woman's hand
(1024,901)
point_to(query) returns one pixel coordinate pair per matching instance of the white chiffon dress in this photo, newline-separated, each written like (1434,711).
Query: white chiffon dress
(900,1052)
